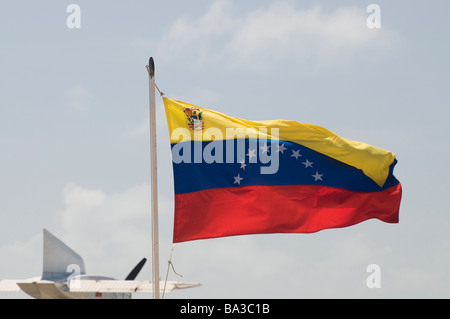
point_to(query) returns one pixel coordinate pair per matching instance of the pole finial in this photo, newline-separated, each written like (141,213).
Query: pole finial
(151,67)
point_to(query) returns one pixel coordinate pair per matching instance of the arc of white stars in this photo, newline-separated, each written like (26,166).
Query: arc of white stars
(265,148)
(296,154)
(308,163)
(281,148)
(251,153)
(237,179)
(243,164)
(317,176)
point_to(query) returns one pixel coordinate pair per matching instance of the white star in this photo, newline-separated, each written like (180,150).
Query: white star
(237,179)
(243,164)
(281,148)
(317,176)
(296,154)
(308,163)
(265,148)
(251,153)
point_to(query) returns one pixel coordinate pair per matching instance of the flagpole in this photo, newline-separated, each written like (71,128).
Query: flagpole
(154,179)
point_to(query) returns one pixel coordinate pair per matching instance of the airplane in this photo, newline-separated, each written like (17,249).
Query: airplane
(64,277)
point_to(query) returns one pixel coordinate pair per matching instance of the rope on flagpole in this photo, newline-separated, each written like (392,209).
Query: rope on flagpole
(160,93)
(169,263)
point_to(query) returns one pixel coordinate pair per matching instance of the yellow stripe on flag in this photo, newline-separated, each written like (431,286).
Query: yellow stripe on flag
(373,161)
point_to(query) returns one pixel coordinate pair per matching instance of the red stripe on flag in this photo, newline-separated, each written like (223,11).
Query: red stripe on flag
(245,210)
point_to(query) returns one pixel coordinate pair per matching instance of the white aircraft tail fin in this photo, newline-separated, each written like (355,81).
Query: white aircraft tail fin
(58,257)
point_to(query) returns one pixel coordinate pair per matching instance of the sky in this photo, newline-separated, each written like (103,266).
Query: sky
(74,135)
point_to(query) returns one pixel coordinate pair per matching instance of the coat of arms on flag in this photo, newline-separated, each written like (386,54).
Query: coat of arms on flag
(194,118)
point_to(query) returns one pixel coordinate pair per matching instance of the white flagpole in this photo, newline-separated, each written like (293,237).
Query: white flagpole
(154,180)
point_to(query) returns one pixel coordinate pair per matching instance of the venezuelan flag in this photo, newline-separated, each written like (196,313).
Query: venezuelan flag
(235,177)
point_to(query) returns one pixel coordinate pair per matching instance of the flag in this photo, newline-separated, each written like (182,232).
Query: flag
(236,177)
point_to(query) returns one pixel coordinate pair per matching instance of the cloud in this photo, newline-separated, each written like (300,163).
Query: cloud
(275,266)
(281,32)
(106,226)
(196,36)
(277,33)
(79,99)
(19,259)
